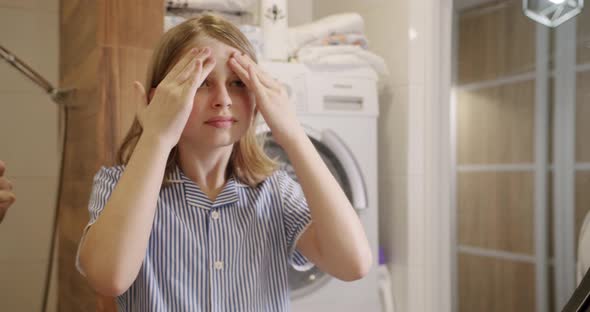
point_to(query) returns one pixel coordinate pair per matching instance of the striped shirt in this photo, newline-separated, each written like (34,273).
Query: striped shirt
(231,254)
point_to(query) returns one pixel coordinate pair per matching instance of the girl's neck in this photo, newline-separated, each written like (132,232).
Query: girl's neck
(206,168)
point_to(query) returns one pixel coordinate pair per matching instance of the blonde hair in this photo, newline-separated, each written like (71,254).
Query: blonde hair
(248,161)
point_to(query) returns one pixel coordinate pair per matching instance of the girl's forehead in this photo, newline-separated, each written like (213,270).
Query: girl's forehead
(218,48)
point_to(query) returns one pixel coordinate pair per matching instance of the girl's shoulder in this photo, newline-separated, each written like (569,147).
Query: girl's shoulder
(280,178)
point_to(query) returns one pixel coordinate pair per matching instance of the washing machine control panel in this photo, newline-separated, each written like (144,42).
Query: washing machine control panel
(332,90)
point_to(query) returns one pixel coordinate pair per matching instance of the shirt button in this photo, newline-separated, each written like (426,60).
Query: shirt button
(215,215)
(219,265)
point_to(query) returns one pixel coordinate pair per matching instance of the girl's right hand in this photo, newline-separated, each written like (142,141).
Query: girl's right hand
(165,117)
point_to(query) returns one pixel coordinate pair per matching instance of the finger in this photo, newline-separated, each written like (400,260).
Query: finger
(5,184)
(194,66)
(2,168)
(180,66)
(7,197)
(264,78)
(201,73)
(241,71)
(258,88)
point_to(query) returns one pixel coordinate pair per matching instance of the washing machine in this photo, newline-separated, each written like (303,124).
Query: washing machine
(338,108)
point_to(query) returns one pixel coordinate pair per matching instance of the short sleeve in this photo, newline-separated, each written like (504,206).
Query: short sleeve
(103,184)
(296,219)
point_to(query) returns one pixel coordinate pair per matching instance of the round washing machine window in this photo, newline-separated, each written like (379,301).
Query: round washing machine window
(303,283)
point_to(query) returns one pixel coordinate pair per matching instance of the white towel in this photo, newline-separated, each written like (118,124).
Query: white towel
(342,39)
(299,36)
(216,5)
(345,55)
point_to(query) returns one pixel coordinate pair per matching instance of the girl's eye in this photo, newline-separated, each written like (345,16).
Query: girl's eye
(237,83)
(205,84)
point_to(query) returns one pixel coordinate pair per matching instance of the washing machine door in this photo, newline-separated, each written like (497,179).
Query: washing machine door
(344,168)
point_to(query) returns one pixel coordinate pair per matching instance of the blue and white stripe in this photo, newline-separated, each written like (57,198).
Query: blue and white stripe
(228,255)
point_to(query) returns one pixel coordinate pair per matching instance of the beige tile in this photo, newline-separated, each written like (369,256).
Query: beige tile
(26,230)
(29,135)
(416,129)
(418,34)
(33,37)
(21,288)
(40,5)
(393,215)
(393,142)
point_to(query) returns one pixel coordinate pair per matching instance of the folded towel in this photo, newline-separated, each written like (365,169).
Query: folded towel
(345,55)
(216,5)
(341,39)
(299,36)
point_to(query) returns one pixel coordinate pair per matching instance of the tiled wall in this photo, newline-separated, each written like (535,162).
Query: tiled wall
(29,146)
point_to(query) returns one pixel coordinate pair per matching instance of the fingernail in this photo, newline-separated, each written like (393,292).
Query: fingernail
(206,50)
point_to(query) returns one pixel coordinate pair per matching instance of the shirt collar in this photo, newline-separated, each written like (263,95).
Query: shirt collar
(197,198)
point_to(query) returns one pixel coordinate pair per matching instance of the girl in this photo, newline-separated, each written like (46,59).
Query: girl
(196,218)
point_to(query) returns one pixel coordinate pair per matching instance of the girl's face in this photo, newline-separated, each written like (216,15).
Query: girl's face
(222,109)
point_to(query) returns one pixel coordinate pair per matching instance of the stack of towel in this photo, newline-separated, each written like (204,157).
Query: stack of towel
(335,39)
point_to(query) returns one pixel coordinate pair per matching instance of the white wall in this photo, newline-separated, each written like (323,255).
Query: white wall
(299,12)
(29,146)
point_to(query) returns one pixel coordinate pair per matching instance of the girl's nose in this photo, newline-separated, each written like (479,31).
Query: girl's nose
(222,98)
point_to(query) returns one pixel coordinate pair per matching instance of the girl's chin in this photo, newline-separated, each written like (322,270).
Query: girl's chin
(210,142)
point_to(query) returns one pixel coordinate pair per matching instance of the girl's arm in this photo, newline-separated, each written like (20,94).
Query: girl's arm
(115,245)
(335,241)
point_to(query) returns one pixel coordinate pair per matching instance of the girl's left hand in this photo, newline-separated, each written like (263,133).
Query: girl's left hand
(271,98)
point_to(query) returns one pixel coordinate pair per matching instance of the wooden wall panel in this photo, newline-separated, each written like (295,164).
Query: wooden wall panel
(494,285)
(583,117)
(105,45)
(130,23)
(583,34)
(496,125)
(495,41)
(495,210)
(121,67)
(78,22)
(582,200)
